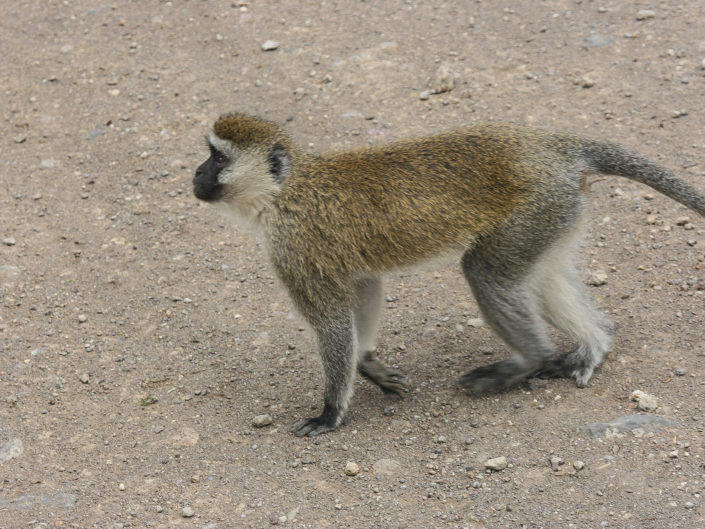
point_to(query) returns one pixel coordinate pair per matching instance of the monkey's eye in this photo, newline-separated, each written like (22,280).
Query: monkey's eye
(220,159)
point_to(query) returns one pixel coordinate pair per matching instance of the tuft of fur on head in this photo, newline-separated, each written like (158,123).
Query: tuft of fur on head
(249,187)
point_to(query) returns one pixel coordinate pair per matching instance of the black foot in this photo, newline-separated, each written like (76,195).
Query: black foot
(569,365)
(313,426)
(388,379)
(494,377)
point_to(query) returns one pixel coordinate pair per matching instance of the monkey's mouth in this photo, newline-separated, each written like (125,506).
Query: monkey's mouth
(208,193)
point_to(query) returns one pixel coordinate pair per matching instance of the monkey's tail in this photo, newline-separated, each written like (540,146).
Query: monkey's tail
(612,159)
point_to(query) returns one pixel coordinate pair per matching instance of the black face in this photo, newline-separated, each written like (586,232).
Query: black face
(205,181)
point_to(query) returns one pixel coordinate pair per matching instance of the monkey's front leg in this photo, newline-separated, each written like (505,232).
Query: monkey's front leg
(335,342)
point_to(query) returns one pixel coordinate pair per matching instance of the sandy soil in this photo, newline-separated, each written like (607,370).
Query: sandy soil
(140,332)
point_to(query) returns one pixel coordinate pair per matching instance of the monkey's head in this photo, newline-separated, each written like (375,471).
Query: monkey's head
(249,161)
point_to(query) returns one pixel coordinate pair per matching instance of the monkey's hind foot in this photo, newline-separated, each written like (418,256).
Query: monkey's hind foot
(329,420)
(389,380)
(494,377)
(574,364)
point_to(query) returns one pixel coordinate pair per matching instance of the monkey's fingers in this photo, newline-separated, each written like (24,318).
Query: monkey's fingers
(311,427)
(389,379)
(394,382)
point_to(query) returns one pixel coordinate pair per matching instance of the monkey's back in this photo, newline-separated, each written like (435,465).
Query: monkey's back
(407,201)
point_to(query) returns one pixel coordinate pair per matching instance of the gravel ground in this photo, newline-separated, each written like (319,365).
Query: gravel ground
(150,363)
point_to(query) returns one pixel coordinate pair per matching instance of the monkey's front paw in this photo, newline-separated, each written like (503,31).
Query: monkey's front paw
(389,380)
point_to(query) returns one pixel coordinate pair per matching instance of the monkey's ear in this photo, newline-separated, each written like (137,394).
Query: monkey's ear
(279,163)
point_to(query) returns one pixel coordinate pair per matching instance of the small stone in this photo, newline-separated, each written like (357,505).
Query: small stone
(48,164)
(689,505)
(423,96)
(556,462)
(11,449)
(84,378)
(673,454)
(352,468)
(121,486)
(644,401)
(20,138)
(9,241)
(261,421)
(496,464)
(597,278)
(187,512)
(578,465)
(82,318)
(270,45)
(651,219)
(159,508)
(645,14)
(680,372)
(443,80)
(682,221)
(475,322)
(587,82)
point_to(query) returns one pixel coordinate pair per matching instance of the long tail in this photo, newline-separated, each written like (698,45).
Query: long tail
(609,158)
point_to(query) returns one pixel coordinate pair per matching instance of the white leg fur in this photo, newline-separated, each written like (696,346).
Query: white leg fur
(368,305)
(567,307)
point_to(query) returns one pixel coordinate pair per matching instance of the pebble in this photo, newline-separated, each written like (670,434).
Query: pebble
(475,322)
(270,45)
(644,401)
(497,463)
(262,420)
(680,372)
(597,278)
(689,505)
(556,462)
(187,512)
(443,80)
(48,164)
(84,378)
(682,221)
(352,468)
(645,14)
(9,241)
(82,318)
(587,82)
(11,449)
(578,465)
(423,96)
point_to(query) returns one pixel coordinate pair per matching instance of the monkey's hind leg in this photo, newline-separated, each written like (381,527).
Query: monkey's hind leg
(367,306)
(567,307)
(512,309)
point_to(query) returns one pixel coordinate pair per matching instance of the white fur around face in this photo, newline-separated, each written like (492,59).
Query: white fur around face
(248,185)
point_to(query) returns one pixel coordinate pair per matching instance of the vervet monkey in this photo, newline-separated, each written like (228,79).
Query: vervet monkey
(509,199)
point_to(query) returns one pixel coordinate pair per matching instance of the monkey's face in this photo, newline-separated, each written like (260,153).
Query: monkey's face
(244,180)
(206,183)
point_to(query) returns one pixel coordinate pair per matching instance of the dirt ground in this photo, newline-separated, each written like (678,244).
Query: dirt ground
(141,332)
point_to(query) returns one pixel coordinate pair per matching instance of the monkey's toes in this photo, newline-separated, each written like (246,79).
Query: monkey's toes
(494,377)
(569,365)
(311,427)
